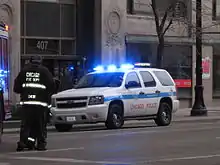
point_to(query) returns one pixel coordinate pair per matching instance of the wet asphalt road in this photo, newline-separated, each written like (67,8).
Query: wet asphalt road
(178,144)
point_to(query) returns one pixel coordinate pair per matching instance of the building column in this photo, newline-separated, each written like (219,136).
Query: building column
(207,53)
(113,29)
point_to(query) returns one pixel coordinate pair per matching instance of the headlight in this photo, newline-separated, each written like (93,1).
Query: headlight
(95,100)
(53,102)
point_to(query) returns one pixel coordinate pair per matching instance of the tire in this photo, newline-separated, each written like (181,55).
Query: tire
(164,115)
(63,127)
(115,119)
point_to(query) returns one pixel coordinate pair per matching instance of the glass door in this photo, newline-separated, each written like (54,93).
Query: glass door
(67,71)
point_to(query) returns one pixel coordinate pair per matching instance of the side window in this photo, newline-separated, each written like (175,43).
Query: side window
(148,79)
(133,80)
(164,78)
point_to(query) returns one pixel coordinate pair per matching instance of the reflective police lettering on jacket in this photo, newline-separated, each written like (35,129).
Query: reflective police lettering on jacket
(33,81)
(32,77)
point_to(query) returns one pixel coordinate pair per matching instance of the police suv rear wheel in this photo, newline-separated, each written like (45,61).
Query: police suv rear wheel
(164,115)
(63,127)
(115,119)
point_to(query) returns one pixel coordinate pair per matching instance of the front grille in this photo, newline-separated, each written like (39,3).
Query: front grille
(75,105)
(71,102)
(71,98)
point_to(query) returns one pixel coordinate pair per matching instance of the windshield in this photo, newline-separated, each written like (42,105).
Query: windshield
(101,80)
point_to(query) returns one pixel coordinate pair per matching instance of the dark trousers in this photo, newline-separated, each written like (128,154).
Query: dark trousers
(33,125)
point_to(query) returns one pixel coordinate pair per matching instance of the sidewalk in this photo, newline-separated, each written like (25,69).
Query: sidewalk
(182,115)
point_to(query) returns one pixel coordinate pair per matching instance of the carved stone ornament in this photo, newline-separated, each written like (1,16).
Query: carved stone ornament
(113,24)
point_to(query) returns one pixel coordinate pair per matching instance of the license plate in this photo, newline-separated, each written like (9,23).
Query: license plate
(71,118)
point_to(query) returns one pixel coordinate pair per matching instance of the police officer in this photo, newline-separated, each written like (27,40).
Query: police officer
(30,145)
(35,85)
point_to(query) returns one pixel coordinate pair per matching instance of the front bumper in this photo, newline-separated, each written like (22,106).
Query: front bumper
(176,104)
(89,114)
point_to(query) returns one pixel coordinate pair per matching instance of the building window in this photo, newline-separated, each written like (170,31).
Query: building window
(48,28)
(179,65)
(22,18)
(68,20)
(215,9)
(22,46)
(143,7)
(67,47)
(42,19)
(130,6)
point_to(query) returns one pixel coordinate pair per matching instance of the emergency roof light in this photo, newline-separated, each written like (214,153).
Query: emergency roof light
(99,68)
(142,65)
(112,67)
(127,66)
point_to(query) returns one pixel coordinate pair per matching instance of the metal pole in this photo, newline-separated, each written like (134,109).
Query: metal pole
(199,108)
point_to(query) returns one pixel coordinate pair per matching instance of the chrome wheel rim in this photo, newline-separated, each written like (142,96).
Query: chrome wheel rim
(116,119)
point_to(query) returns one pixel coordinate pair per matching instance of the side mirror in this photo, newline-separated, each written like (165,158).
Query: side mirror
(131,84)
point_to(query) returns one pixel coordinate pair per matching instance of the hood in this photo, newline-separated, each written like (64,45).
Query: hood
(81,92)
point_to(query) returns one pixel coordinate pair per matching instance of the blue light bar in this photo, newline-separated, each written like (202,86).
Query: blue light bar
(112,68)
(142,64)
(127,66)
(71,68)
(99,68)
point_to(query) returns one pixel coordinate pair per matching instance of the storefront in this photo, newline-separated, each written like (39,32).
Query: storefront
(179,65)
(49,29)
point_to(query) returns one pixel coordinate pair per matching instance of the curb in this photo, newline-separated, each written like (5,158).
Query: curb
(198,120)
(213,119)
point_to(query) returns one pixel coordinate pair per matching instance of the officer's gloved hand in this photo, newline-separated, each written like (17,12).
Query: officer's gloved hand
(48,115)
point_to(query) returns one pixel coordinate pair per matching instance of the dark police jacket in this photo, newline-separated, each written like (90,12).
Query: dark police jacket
(35,85)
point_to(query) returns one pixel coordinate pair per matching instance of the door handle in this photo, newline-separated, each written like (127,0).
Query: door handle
(141,93)
(157,91)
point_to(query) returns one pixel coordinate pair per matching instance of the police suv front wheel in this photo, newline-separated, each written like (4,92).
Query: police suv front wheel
(63,127)
(115,119)
(164,115)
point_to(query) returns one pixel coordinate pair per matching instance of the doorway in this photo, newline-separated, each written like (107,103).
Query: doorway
(64,70)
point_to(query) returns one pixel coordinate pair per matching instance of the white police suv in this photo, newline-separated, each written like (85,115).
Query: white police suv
(114,95)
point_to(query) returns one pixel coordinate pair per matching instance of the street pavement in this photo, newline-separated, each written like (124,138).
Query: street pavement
(140,143)
(182,115)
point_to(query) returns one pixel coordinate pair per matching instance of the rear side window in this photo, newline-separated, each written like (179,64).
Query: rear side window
(164,78)
(148,79)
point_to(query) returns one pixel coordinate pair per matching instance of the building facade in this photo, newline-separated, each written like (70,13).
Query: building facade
(128,33)
(90,32)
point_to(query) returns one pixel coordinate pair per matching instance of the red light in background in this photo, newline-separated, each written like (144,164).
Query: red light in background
(6,27)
